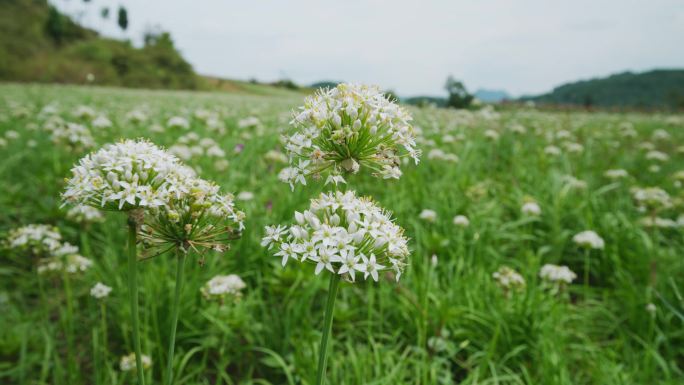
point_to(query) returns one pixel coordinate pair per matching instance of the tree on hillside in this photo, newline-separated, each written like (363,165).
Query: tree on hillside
(55,25)
(123,18)
(391,95)
(458,94)
(60,28)
(104,13)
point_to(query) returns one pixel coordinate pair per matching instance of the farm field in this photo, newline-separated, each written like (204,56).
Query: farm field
(496,196)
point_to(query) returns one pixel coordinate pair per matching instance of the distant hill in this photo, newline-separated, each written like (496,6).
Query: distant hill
(40,44)
(425,101)
(492,96)
(660,89)
(325,84)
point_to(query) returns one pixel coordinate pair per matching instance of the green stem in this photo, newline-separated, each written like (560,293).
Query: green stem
(174,318)
(133,295)
(587,266)
(327,326)
(85,242)
(68,325)
(103,320)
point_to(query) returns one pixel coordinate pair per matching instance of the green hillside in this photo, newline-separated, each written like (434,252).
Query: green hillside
(653,89)
(37,43)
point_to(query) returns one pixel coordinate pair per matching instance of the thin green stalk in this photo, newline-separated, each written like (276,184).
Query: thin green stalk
(653,265)
(43,299)
(587,266)
(98,359)
(133,295)
(424,319)
(461,261)
(105,338)
(180,262)
(68,326)
(85,241)
(327,326)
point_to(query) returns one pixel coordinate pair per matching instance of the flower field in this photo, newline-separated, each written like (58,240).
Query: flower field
(490,246)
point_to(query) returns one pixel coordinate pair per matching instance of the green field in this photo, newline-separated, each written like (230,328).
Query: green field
(447,321)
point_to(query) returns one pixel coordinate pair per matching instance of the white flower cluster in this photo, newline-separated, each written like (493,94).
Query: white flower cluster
(616,174)
(127,363)
(75,136)
(589,239)
(491,135)
(663,223)
(531,209)
(191,145)
(84,112)
(187,211)
(508,279)
(101,122)
(178,122)
(136,116)
(245,196)
(657,156)
(428,215)
(461,221)
(651,198)
(346,128)
(249,122)
(343,234)
(84,214)
(573,147)
(199,218)
(574,183)
(212,120)
(555,273)
(222,286)
(552,150)
(100,290)
(660,134)
(126,175)
(439,154)
(66,260)
(46,243)
(39,240)
(274,156)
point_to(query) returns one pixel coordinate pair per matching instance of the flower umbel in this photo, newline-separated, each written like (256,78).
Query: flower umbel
(39,240)
(100,290)
(589,240)
(224,286)
(127,363)
(126,175)
(200,218)
(509,279)
(557,274)
(347,128)
(343,234)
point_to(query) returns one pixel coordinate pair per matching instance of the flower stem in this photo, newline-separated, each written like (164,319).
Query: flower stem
(587,266)
(103,320)
(180,262)
(68,326)
(133,295)
(327,326)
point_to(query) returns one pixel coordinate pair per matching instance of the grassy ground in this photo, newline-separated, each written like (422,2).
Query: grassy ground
(447,321)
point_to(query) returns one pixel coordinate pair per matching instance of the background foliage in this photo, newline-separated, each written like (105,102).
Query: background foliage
(38,43)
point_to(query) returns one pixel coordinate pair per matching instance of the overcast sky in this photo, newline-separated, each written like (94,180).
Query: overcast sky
(521,46)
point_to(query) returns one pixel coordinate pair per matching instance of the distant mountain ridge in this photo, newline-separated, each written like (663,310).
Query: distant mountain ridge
(659,89)
(492,96)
